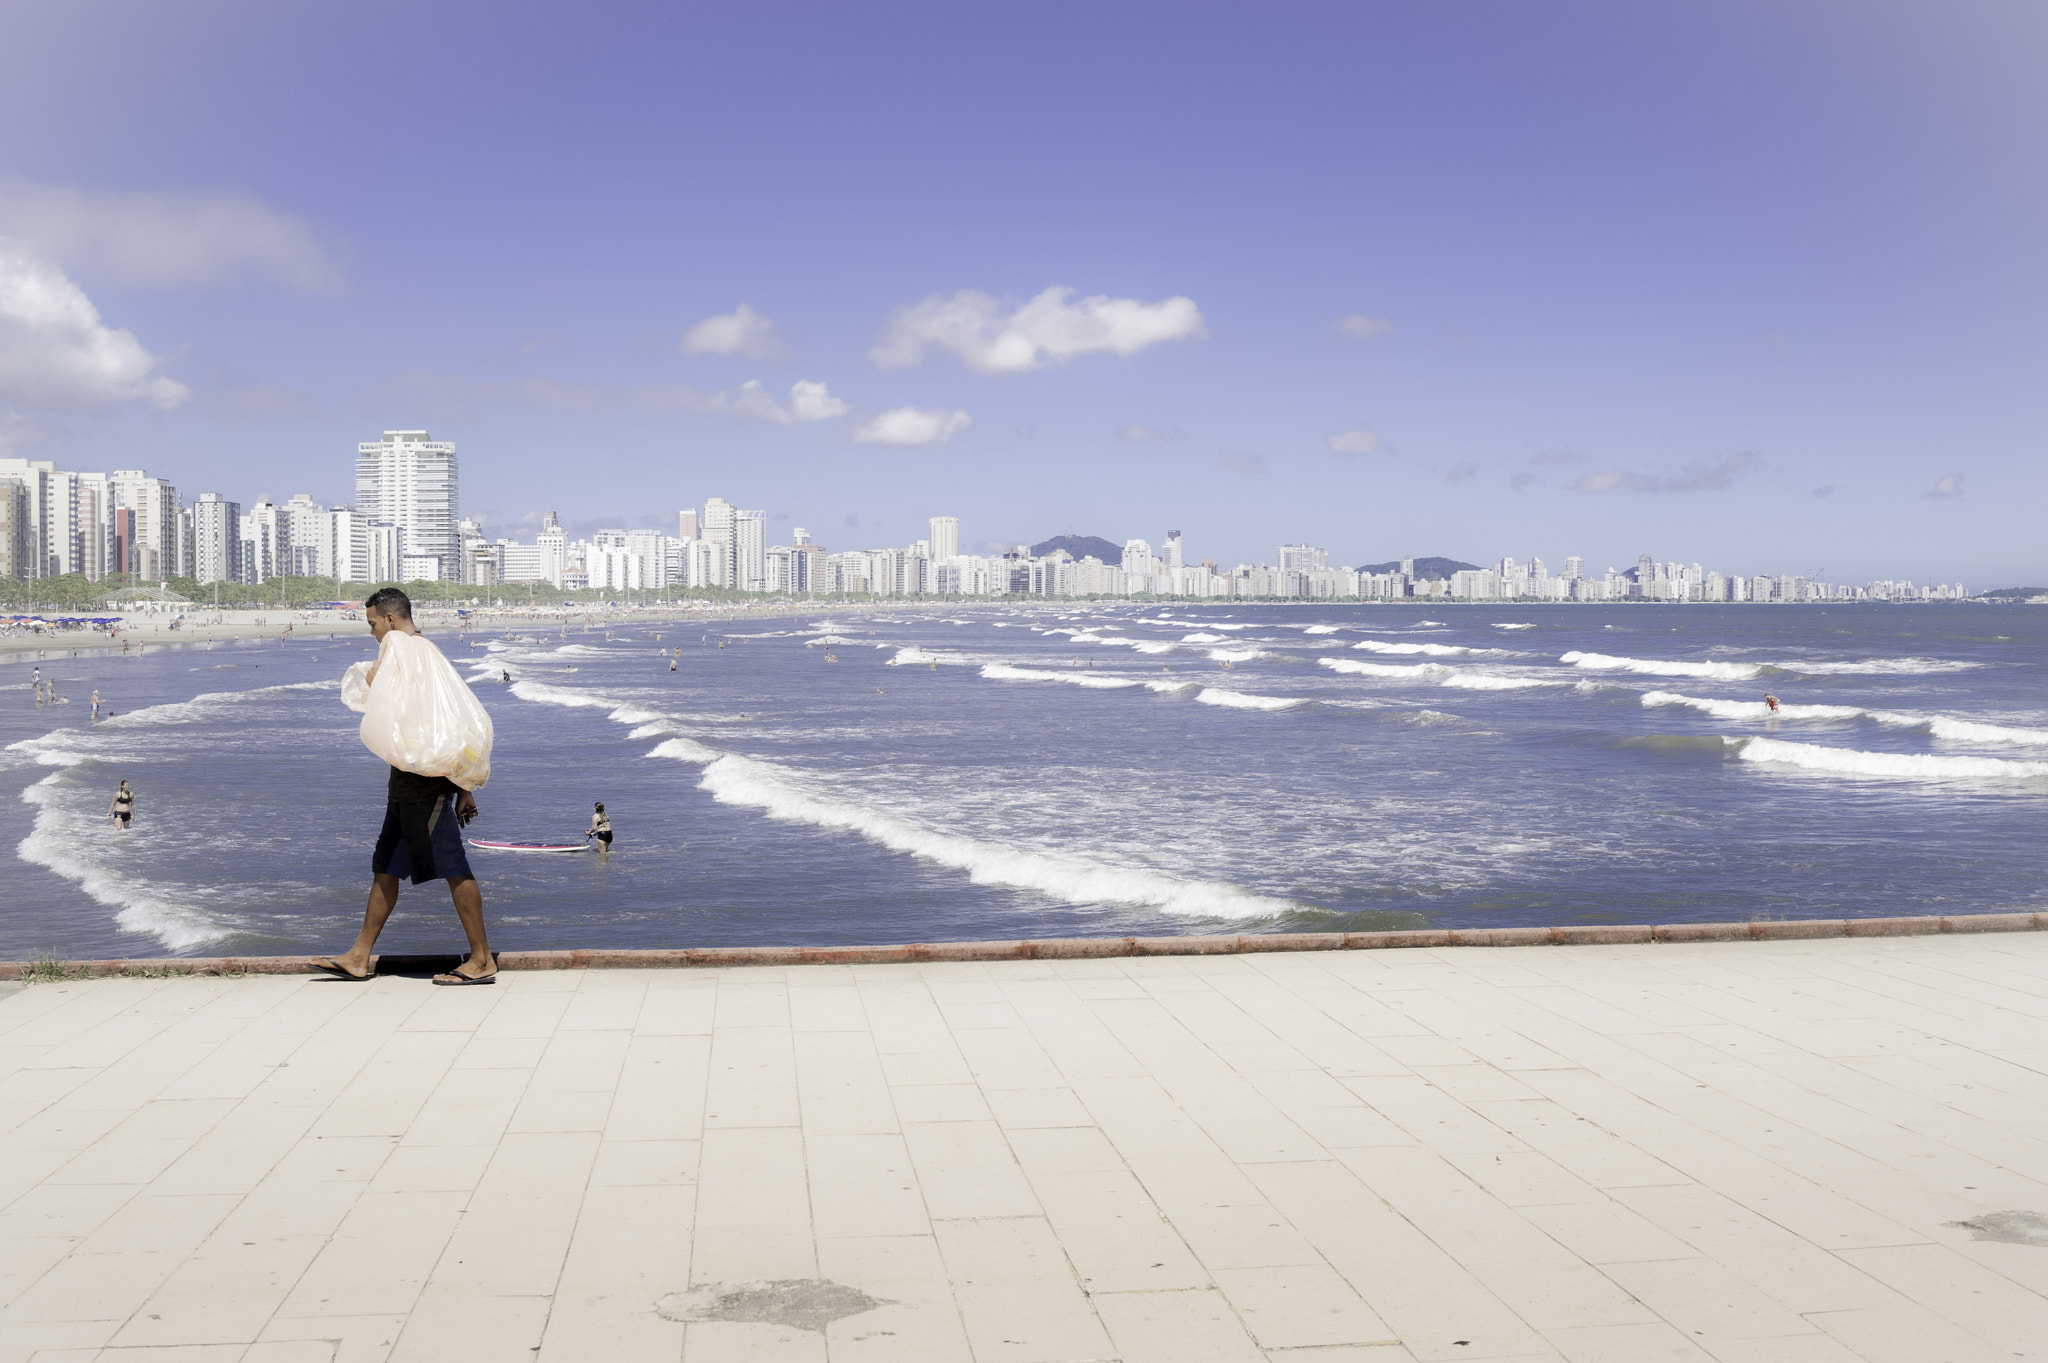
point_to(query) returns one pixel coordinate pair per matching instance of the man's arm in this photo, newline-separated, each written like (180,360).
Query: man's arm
(465,808)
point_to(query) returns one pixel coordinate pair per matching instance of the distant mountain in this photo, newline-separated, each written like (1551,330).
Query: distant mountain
(1080,547)
(2014,594)
(1424,567)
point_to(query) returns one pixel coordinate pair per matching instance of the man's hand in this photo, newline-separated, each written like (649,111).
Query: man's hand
(465,808)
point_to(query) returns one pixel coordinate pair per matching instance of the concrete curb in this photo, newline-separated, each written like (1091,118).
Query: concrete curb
(1083,948)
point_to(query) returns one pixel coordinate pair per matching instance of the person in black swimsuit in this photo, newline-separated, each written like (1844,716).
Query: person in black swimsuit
(123,808)
(600,828)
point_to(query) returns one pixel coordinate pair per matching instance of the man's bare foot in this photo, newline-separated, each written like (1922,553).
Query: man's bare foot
(467,973)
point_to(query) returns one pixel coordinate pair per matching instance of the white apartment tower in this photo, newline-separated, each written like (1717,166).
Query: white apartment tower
(412,481)
(945,538)
(216,539)
(750,550)
(721,534)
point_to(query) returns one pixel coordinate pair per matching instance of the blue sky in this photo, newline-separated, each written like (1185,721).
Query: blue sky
(1759,285)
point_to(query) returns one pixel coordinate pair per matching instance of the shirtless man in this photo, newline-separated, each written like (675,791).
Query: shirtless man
(1771,701)
(422,836)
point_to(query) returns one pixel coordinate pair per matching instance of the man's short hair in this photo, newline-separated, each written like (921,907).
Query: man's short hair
(390,601)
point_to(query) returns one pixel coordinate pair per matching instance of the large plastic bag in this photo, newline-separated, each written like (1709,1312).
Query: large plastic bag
(419,715)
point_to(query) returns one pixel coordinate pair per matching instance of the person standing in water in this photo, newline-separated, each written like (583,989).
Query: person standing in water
(1771,701)
(600,828)
(422,836)
(123,807)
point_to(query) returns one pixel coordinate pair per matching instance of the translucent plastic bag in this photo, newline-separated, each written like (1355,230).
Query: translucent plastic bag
(419,715)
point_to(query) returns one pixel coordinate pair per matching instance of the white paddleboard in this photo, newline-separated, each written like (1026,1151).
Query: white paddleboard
(495,846)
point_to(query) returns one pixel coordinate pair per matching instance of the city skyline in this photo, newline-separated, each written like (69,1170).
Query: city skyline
(406,525)
(1728,282)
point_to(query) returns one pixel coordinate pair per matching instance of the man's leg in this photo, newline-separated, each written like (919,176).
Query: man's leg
(383,899)
(469,907)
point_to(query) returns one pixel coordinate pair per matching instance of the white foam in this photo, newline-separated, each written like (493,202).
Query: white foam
(1237,655)
(783,795)
(1322,629)
(581,651)
(70,846)
(829,639)
(1428,650)
(1601,662)
(1202,638)
(1939,726)
(1878,667)
(1359,669)
(1149,646)
(1892,765)
(1099,681)
(1245,700)
(1488,681)
(684,750)
(1750,709)
(1975,731)
(1500,626)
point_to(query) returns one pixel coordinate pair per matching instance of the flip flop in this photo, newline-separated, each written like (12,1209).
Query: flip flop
(341,973)
(456,977)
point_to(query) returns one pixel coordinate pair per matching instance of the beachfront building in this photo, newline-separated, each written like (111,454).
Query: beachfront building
(216,539)
(412,481)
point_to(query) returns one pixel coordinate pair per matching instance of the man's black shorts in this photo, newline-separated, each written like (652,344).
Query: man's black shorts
(422,839)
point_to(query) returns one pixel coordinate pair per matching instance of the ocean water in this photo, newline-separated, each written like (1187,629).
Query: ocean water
(929,773)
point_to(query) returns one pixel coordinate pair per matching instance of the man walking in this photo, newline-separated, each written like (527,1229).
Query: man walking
(422,837)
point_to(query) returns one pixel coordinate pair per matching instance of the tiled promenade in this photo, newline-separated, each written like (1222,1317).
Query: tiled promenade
(1751,1152)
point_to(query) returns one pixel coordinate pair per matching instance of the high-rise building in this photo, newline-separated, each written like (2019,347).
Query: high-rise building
(32,544)
(266,542)
(347,535)
(686,524)
(945,538)
(412,481)
(14,536)
(216,539)
(308,553)
(1574,567)
(1170,555)
(155,539)
(1303,558)
(553,543)
(750,550)
(719,531)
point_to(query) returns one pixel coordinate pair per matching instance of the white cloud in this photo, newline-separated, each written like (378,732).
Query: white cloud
(167,240)
(1715,477)
(751,401)
(739,332)
(1356,441)
(56,354)
(975,327)
(1360,327)
(914,426)
(1951,486)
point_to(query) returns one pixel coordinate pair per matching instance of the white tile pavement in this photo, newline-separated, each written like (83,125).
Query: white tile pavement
(1749,1152)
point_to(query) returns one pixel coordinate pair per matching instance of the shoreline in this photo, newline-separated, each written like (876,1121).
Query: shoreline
(240,626)
(1068,948)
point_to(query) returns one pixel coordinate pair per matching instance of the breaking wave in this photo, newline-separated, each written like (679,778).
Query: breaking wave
(1489,681)
(1245,700)
(1359,669)
(782,795)
(1940,726)
(1894,765)
(1097,681)
(1428,650)
(1602,662)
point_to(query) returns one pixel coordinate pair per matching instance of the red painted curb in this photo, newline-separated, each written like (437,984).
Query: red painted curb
(1086,948)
